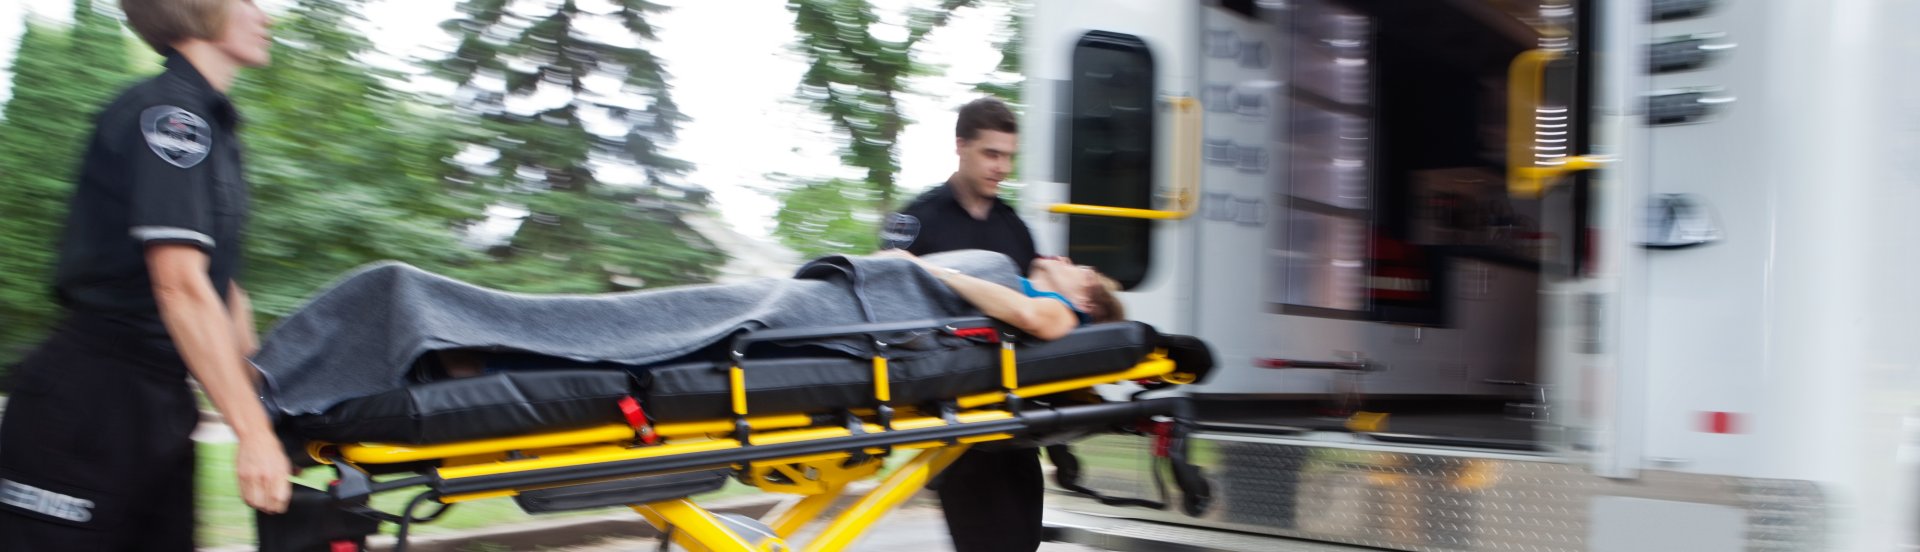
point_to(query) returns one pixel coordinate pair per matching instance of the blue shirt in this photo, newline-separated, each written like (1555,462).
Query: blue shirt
(1026,286)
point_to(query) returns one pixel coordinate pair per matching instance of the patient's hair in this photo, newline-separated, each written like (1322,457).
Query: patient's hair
(1102,305)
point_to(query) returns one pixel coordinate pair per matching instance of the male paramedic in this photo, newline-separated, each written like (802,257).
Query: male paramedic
(992,499)
(94,444)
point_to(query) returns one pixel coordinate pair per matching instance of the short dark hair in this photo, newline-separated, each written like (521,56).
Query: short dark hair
(985,114)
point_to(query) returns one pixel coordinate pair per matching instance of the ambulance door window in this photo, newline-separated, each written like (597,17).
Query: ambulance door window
(1111,154)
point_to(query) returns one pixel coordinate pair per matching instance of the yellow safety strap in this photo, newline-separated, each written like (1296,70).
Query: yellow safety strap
(1009,370)
(737,381)
(881,389)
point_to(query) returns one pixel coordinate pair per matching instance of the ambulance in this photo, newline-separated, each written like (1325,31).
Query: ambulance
(1541,275)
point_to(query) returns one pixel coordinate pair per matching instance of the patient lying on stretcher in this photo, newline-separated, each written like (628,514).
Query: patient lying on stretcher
(1056,297)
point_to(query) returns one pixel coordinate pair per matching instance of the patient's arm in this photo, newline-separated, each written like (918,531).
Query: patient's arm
(1040,317)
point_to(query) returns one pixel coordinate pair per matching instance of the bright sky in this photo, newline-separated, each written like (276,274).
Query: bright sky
(732,72)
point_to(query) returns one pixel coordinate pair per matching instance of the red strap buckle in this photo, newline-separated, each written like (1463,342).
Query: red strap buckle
(1162,439)
(637,418)
(988,334)
(343,546)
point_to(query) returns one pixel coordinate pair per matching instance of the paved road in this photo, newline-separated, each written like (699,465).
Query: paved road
(917,528)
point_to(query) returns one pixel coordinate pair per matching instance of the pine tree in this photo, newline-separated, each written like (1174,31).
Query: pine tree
(539,80)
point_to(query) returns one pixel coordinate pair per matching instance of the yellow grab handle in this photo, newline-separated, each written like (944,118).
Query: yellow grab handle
(1528,172)
(1186,172)
(1117,212)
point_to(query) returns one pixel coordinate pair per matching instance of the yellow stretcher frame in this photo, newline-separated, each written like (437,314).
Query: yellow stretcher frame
(818,476)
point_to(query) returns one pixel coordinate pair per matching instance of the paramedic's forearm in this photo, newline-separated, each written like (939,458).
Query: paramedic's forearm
(203,332)
(240,308)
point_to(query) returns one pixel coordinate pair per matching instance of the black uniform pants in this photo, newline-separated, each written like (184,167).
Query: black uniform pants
(993,500)
(95,447)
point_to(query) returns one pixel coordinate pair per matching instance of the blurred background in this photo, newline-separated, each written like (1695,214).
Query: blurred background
(529,145)
(1366,208)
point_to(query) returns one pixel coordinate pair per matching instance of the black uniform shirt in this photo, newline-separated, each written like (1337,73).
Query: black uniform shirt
(162,167)
(936,222)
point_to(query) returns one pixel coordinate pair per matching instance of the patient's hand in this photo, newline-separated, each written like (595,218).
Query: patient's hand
(461,363)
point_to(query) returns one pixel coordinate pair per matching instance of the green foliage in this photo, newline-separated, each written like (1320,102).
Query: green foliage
(827,217)
(1006,85)
(345,170)
(857,79)
(62,77)
(583,234)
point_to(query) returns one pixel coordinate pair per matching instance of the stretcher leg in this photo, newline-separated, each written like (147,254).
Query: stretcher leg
(699,530)
(820,482)
(797,514)
(898,487)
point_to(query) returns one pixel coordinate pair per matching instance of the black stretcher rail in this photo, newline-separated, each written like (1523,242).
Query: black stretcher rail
(1033,421)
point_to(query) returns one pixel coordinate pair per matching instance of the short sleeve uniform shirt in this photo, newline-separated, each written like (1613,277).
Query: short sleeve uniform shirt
(935,222)
(163,166)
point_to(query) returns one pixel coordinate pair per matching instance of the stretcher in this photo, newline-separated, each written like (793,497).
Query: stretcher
(772,413)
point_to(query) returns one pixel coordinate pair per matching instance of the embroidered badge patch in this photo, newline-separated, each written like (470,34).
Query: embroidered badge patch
(176,135)
(899,231)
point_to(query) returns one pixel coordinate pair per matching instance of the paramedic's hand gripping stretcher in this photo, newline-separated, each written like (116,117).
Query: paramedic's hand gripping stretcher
(576,439)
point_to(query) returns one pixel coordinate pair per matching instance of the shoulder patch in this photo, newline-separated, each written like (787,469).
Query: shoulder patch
(176,135)
(899,231)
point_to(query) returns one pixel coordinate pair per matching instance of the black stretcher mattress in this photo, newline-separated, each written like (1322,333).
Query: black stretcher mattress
(533,401)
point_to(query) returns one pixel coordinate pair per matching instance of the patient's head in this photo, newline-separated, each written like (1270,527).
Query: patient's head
(1102,305)
(1088,289)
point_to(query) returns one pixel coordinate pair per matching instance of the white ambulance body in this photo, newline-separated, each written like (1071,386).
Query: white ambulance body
(1504,274)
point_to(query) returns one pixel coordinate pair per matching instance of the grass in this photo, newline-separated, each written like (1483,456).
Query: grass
(225,520)
(1130,453)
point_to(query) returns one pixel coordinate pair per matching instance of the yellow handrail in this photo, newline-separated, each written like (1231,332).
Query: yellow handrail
(1117,212)
(1186,172)
(1526,177)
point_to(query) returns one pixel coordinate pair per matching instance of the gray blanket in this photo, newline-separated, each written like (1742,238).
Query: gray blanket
(362,334)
